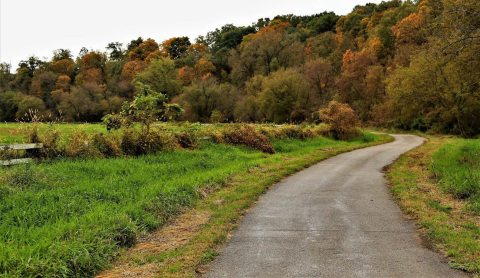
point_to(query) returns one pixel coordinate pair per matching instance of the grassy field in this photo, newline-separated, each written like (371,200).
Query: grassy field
(73,217)
(438,184)
(16,132)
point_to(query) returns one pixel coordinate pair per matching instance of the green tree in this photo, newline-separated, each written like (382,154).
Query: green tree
(8,106)
(116,51)
(176,47)
(205,96)
(161,76)
(149,106)
(28,105)
(285,97)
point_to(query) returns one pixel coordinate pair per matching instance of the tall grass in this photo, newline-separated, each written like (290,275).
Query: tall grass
(72,217)
(68,218)
(457,167)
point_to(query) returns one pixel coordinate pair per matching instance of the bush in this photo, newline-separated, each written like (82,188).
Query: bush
(80,145)
(129,142)
(187,139)
(107,145)
(248,136)
(342,120)
(51,143)
(146,142)
(112,122)
(217,137)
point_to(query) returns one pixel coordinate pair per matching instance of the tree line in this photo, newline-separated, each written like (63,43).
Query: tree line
(405,64)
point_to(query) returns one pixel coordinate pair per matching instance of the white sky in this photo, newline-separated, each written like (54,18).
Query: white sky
(37,27)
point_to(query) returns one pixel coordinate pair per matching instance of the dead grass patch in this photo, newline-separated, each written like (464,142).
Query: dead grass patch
(179,232)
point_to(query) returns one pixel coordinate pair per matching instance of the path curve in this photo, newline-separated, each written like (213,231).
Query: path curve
(335,219)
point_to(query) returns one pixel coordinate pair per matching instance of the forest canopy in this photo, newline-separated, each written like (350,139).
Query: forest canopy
(404,64)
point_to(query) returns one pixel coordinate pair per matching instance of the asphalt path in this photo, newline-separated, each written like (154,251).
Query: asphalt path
(334,219)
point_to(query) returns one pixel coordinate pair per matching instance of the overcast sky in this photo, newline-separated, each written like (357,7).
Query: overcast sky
(37,27)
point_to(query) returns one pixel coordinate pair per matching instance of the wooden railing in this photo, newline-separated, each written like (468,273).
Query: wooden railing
(18,147)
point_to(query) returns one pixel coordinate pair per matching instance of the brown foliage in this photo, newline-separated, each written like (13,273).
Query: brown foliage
(64,66)
(247,135)
(186,75)
(142,51)
(342,120)
(63,83)
(131,68)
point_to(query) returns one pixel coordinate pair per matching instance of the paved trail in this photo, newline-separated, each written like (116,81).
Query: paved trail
(335,219)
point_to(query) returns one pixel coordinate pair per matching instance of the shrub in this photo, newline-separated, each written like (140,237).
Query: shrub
(51,143)
(248,136)
(80,145)
(342,120)
(107,145)
(33,137)
(112,121)
(217,137)
(145,142)
(129,142)
(295,132)
(187,139)
(155,141)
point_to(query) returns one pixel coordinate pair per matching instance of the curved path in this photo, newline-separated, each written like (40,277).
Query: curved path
(335,219)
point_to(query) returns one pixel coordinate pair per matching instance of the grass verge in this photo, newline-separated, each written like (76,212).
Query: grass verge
(199,231)
(436,185)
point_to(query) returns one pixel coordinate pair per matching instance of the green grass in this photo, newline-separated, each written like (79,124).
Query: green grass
(17,132)
(438,185)
(457,167)
(73,217)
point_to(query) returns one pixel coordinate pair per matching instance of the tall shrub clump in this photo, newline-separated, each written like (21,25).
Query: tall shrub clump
(342,120)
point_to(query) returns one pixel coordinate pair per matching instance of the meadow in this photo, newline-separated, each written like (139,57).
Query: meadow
(17,132)
(72,217)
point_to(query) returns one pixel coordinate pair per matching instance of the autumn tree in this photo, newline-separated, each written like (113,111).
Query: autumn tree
(361,82)
(439,88)
(43,83)
(320,76)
